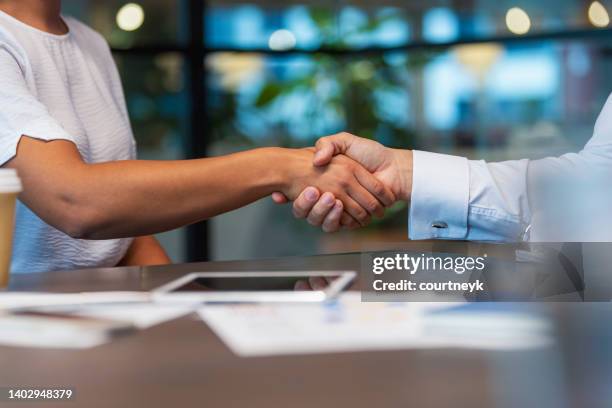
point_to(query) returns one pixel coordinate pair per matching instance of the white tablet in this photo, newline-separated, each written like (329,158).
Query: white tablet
(252,287)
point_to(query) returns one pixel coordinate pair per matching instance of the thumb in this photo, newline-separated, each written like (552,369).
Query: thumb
(324,153)
(329,146)
(279,198)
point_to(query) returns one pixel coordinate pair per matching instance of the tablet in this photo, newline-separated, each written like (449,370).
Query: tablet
(252,287)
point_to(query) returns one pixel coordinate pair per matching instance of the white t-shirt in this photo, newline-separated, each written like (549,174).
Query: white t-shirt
(61,87)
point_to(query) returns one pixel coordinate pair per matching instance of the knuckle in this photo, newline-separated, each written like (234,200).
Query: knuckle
(322,140)
(373,206)
(314,218)
(313,222)
(298,212)
(366,218)
(379,189)
(316,214)
(361,214)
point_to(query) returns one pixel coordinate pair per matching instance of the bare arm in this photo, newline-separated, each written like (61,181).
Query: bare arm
(132,198)
(145,251)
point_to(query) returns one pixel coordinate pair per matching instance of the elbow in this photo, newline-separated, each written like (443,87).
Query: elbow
(77,228)
(81,224)
(77,231)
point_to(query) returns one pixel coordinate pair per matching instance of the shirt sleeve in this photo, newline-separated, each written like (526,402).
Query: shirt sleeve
(555,199)
(21,113)
(440,194)
(456,198)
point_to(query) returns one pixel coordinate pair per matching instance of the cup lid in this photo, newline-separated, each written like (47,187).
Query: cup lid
(9,181)
(8,172)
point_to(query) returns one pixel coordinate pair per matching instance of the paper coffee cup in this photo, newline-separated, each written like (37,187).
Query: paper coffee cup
(10,187)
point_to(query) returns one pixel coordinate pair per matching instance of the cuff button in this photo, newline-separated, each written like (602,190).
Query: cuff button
(439,224)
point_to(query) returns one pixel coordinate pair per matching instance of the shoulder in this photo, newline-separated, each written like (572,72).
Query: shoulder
(11,49)
(84,32)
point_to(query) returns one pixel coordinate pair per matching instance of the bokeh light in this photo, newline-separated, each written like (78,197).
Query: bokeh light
(598,15)
(282,40)
(130,17)
(517,21)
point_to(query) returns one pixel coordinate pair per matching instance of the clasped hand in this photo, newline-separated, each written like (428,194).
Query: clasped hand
(352,179)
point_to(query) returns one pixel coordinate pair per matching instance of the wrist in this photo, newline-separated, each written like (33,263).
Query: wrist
(280,165)
(402,161)
(268,163)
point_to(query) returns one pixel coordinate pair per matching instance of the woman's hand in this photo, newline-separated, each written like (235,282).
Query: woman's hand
(360,193)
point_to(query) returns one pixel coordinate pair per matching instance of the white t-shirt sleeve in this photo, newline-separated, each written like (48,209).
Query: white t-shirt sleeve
(21,113)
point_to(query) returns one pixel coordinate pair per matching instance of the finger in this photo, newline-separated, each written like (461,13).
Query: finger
(327,147)
(317,283)
(279,198)
(365,200)
(321,209)
(356,211)
(302,285)
(348,222)
(305,201)
(332,220)
(375,186)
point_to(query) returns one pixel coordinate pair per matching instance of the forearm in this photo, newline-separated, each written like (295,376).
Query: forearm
(133,198)
(146,197)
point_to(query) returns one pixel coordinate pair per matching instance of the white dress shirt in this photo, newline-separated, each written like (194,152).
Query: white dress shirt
(566,198)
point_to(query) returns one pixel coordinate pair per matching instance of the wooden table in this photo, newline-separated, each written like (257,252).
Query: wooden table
(184,364)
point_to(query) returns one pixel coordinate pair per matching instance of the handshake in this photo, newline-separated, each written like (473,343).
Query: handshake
(351,179)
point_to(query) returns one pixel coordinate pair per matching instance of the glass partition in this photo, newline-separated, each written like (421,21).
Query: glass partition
(453,77)
(487,79)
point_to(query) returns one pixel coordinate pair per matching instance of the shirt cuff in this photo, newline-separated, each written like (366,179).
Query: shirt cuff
(440,196)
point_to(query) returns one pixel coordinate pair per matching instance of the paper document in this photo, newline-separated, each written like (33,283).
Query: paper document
(134,309)
(58,331)
(142,316)
(348,325)
(22,300)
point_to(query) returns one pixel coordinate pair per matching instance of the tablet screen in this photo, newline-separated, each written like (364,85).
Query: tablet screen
(245,283)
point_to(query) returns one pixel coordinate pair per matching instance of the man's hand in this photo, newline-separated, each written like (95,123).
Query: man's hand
(393,167)
(357,191)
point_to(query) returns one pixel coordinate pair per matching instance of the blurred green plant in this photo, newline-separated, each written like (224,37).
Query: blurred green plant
(153,88)
(366,93)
